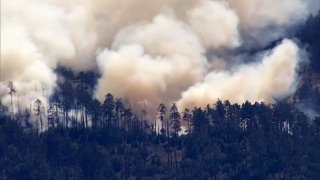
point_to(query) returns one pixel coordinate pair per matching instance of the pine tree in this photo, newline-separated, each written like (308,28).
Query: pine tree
(39,111)
(107,109)
(12,91)
(119,110)
(161,113)
(175,119)
(175,124)
(187,116)
(52,116)
(94,110)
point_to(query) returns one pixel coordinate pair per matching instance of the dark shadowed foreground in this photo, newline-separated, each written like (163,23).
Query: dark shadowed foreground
(251,141)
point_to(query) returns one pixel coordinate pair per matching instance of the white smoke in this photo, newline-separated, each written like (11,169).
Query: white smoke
(273,77)
(215,24)
(262,21)
(22,63)
(257,14)
(149,50)
(147,66)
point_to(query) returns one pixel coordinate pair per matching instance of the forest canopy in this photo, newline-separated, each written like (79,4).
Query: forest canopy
(175,89)
(93,140)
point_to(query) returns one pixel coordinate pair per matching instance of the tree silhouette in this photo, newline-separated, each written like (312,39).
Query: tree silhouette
(12,91)
(176,127)
(119,109)
(39,112)
(107,109)
(53,115)
(187,116)
(175,119)
(262,150)
(161,114)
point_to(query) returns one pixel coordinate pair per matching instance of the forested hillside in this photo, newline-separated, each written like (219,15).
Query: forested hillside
(225,141)
(57,122)
(308,93)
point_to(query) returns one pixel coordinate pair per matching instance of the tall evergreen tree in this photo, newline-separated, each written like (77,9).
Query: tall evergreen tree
(161,113)
(176,127)
(12,91)
(107,109)
(119,110)
(39,112)
(187,116)
(95,112)
(175,119)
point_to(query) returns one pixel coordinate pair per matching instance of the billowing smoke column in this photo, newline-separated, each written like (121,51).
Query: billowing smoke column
(263,81)
(151,51)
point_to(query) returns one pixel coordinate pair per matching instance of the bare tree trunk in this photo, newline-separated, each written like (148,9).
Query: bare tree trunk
(175,158)
(82,117)
(66,118)
(11,106)
(171,161)
(37,125)
(168,129)
(86,116)
(155,125)
(41,123)
(18,109)
(120,121)
(76,114)
(123,159)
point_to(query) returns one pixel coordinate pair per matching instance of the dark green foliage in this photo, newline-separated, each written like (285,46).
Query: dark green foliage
(228,141)
(161,113)
(175,119)
(108,109)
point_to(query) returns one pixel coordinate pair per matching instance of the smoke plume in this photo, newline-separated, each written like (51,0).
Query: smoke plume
(151,51)
(257,82)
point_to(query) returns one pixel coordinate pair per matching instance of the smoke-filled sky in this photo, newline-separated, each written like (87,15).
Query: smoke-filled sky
(154,51)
